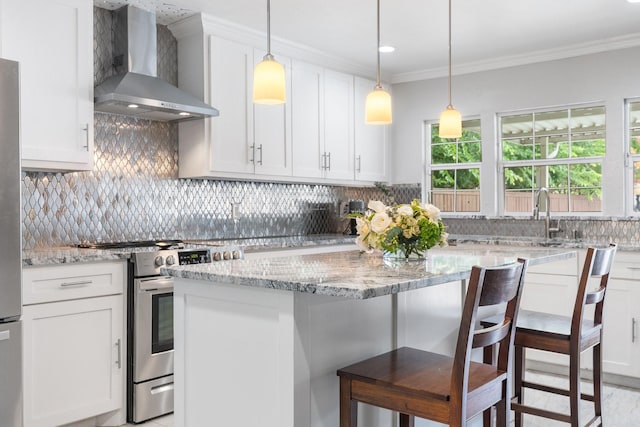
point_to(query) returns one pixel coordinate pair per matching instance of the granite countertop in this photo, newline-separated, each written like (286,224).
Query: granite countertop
(352,274)
(70,254)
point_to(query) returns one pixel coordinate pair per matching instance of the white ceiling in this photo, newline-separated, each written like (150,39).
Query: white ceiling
(486,34)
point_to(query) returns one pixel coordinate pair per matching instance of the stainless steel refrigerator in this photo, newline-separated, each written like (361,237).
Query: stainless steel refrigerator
(10,248)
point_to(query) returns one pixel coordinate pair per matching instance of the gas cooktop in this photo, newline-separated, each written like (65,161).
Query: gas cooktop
(160,244)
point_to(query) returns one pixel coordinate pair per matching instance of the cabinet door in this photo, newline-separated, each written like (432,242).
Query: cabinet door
(73,364)
(231,66)
(338,125)
(307,116)
(52,40)
(370,140)
(271,131)
(620,346)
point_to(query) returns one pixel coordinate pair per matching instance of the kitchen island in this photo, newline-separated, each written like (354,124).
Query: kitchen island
(258,342)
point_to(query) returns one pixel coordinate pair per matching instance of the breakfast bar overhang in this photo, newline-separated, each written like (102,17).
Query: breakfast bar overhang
(258,342)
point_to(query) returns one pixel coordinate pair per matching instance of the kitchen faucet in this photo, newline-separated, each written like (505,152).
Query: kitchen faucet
(547,218)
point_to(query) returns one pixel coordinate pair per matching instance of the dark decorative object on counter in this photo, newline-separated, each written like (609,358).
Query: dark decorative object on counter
(357,207)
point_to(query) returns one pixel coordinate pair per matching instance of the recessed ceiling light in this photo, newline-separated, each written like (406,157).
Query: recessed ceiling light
(633,1)
(132,106)
(389,49)
(183,113)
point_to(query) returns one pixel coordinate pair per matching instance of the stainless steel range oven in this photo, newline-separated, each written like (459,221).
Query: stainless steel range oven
(150,331)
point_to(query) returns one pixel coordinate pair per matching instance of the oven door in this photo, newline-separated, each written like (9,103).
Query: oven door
(153,330)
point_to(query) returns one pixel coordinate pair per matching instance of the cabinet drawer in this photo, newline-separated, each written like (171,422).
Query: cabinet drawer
(626,265)
(67,282)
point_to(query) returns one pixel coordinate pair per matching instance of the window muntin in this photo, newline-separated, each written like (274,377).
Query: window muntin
(455,169)
(560,149)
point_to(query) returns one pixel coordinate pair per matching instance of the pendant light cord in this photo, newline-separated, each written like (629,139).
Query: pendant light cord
(269,28)
(378,84)
(450,105)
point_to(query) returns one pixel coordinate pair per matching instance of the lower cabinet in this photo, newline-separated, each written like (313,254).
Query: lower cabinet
(73,350)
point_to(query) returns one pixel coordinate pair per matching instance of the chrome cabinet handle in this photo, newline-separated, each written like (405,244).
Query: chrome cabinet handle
(329,157)
(260,149)
(324,161)
(252,148)
(86,129)
(359,162)
(119,359)
(76,284)
(633,329)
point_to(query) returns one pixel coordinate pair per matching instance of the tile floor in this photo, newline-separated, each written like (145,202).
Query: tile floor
(621,405)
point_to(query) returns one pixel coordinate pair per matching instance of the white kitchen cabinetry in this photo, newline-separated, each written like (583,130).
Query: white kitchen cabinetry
(74,342)
(621,343)
(308,118)
(246,140)
(56,79)
(322,103)
(337,156)
(370,140)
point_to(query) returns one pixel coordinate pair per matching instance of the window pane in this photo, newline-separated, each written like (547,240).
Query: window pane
(469,152)
(468,201)
(468,179)
(583,200)
(443,179)
(517,149)
(517,178)
(443,153)
(517,126)
(636,186)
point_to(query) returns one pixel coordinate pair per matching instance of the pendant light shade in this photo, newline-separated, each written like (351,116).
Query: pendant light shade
(450,119)
(269,82)
(450,123)
(378,103)
(378,107)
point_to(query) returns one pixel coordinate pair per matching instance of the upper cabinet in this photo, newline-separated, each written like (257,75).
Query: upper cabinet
(370,140)
(246,140)
(311,138)
(56,79)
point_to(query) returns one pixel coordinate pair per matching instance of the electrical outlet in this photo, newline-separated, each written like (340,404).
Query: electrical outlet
(344,208)
(235,211)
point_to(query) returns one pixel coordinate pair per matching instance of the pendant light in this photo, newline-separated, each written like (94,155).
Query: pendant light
(450,119)
(378,103)
(268,76)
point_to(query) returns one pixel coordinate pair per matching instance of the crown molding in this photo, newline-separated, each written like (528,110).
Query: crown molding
(614,43)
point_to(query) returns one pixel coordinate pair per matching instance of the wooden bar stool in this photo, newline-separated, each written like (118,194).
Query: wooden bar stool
(446,389)
(566,335)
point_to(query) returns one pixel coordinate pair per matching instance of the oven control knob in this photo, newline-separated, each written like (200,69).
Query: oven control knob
(217,256)
(171,260)
(159,261)
(227,255)
(236,255)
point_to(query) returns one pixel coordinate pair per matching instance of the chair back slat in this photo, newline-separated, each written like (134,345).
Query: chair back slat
(492,335)
(500,285)
(602,261)
(595,297)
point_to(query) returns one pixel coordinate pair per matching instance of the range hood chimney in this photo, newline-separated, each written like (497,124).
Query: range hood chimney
(136,90)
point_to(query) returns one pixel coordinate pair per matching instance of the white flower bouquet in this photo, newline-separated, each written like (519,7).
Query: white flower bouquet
(402,229)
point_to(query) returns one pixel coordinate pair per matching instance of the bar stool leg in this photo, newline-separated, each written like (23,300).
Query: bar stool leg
(597,380)
(574,387)
(488,357)
(518,377)
(348,407)
(407,420)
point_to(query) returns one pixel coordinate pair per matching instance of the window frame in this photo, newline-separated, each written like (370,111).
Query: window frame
(629,159)
(504,164)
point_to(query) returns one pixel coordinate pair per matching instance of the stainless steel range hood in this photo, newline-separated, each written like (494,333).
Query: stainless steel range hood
(136,90)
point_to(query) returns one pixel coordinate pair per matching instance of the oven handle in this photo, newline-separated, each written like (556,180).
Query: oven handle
(155,283)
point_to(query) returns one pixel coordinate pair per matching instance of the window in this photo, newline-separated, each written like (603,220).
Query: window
(455,169)
(633,121)
(561,150)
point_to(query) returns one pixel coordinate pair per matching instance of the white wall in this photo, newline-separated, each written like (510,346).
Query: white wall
(608,77)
